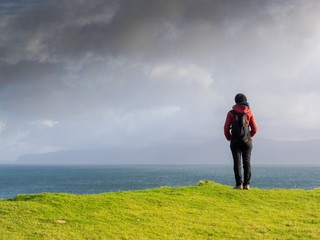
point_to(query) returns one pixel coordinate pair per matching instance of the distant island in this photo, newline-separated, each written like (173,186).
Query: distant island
(214,152)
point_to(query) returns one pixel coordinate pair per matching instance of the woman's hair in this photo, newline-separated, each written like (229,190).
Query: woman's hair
(240,97)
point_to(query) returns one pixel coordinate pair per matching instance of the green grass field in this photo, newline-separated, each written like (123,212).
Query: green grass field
(205,211)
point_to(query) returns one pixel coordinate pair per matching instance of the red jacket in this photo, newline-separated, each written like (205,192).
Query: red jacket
(249,117)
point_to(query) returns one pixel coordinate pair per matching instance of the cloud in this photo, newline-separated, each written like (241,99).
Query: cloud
(127,72)
(185,75)
(2,126)
(46,123)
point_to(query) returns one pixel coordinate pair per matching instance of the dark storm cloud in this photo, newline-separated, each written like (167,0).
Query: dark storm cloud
(29,87)
(76,28)
(41,30)
(203,31)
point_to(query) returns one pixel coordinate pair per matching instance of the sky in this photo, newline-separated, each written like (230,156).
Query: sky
(100,74)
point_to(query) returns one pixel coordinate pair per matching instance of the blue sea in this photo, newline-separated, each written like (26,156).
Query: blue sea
(15,179)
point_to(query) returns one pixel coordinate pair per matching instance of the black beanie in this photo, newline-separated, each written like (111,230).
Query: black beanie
(240,98)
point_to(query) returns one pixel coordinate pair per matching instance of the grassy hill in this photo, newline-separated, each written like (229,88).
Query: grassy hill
(205,211)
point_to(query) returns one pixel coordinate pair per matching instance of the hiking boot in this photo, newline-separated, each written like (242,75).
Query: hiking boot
(246,187)
(238,187)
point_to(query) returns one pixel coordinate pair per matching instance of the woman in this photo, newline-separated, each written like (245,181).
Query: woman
(241,146)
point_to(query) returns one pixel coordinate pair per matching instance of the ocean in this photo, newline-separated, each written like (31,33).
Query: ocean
(82,179)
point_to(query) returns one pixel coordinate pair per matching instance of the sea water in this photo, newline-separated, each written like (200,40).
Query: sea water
(16,179)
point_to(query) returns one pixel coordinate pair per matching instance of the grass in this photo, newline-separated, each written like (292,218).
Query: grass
(205,211)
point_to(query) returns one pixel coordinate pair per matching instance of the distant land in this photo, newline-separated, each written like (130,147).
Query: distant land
(214,152)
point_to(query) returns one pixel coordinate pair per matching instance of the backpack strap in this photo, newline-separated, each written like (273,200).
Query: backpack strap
(235,113)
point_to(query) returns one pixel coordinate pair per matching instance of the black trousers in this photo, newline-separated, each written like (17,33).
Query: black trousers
(243,149)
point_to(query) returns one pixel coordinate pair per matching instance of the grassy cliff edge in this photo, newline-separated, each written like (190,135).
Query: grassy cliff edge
(205,211)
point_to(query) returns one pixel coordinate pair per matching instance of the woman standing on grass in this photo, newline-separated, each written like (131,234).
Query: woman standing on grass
(239,128)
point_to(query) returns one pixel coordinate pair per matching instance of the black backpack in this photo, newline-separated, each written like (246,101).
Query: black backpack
(240,129)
